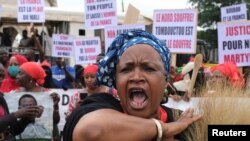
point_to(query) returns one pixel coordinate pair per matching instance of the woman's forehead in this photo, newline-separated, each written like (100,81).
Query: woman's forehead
(89,74)
(24,75)
(217,72)
(140,51)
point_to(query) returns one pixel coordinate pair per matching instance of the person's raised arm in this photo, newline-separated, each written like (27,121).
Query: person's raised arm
(38,45)
(69,72)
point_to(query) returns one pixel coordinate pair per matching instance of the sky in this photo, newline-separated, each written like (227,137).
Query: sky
(146,7)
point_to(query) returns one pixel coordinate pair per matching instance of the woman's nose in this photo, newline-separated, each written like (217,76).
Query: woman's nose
(136,76)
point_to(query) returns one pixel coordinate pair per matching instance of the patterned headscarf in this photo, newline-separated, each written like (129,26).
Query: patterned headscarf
(107,66)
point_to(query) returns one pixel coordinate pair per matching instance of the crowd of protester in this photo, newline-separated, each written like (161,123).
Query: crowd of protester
(26,72)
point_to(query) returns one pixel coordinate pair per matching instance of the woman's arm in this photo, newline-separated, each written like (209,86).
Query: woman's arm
(111,125)
(107,124)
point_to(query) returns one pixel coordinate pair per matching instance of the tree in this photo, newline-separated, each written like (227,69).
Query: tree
(209,15)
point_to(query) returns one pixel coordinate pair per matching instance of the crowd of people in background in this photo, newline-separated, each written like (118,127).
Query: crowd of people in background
(32,72)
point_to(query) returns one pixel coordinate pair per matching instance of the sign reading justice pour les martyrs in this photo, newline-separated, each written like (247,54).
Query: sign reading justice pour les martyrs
(86,50)
(63,45)
(234,12)
(100,13)
(112,32)
(177,28)
(234,42)
(30,11)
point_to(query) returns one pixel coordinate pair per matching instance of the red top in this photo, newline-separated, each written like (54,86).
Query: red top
(2,112)
(164,115)
(8,85)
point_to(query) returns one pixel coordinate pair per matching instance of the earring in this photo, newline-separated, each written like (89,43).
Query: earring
(165,91)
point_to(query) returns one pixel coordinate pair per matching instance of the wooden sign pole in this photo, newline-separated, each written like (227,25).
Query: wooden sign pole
(173,59)
(197,65)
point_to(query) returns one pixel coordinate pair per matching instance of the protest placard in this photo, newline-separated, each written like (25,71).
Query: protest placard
(62,45)
(234,42)
(86,50)
(112,32)
(234,12)
(100,13)
(30,11)
(177,28)
(43,125)
(64,103)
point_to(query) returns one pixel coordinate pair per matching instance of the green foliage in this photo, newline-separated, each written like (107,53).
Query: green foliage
(209,15)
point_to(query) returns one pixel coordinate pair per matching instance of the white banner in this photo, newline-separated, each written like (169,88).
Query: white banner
(64,103)
(177,28)
(234,12)
(111,32)
(45,122)
(30,11)
(234,42)
(100,13)
(63,45)
(86,50)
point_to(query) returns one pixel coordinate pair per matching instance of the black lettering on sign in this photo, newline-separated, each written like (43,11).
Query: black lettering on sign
(65,99)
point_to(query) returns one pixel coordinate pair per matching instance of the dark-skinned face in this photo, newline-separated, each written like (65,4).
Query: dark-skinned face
(59,61)
(90,79)
(23,78)
(140,81)
(3,56)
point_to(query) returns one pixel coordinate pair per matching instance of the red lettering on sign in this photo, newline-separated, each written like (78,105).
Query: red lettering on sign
(89,50)
(111,34)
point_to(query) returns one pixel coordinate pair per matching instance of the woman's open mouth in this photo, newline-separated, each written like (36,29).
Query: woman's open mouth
(138,98)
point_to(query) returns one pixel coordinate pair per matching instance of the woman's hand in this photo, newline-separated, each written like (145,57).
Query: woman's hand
(173,128)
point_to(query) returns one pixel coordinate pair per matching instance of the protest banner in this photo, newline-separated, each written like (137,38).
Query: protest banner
(64,103)
(62,45)
(100,13)
(112,32)
(234,42)
(177,28)
(30,11)
(44,123)
(86,50)
(234,12)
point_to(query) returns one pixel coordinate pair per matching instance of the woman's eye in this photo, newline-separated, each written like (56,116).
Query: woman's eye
(149,69)
(124,70)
